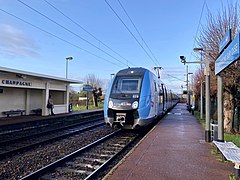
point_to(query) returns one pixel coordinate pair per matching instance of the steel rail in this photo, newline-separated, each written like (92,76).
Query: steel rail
(22,126)
(72,155)
(28,147)
(2,143)
(94,174)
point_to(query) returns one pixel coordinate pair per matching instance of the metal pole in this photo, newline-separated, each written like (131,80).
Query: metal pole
(87,97)
(220,108)
(67,59)
(87,101)
(201,98)
(207,81)
(66,68)
(188,105)
(201,92)
(182,92)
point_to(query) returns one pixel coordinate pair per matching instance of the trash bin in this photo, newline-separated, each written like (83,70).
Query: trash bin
(214,131)
(70,107)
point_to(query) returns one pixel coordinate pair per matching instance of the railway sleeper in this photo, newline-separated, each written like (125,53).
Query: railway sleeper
(118,145)
(63,173)
(108,152)
(83,166)
(100,161)
(114,149)
(88,154)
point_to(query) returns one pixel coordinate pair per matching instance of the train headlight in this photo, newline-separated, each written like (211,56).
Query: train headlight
(135,105)
(110,104)
(135,96)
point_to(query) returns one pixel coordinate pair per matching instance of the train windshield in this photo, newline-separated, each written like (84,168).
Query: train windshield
(126,85)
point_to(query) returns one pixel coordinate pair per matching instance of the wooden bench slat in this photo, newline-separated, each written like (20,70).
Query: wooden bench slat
(229,150)
(12,112)
(232,153)
(37,111)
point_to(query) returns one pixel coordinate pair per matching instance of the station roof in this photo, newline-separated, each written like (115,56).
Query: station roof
(21,72)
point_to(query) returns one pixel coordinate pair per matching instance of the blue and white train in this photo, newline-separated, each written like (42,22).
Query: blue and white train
(135,98)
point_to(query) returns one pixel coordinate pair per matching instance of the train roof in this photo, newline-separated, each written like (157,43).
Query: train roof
(132,71)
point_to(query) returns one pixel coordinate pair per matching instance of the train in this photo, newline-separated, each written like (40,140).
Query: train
(135,98)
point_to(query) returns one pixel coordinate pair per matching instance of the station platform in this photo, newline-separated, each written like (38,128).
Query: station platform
(174,149)
(28,118)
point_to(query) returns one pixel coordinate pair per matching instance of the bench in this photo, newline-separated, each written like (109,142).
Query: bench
(13,112)
(37,111)
(231,152)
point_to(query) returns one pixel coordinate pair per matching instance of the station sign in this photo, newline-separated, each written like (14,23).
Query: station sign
(229,55)
(10,82)
(225,41)
(88,88)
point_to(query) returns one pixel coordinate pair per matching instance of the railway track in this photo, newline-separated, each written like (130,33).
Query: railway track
(88,161)
(19,144)
(9,131)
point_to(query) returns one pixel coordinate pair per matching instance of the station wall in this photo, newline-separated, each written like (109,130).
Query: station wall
(27,92)
(12,99)
(35,99)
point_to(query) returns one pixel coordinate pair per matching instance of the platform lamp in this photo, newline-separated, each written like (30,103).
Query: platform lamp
(112,75)
(68,59)
(188,90)
(201,83)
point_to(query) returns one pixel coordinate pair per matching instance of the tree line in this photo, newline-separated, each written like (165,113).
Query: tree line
(94,96)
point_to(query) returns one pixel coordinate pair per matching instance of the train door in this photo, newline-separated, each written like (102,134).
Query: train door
(160,99)
(163,98)
(171,99)
(155,98)
(166,99)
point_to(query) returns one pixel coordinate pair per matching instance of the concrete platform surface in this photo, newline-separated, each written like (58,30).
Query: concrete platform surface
(175,149)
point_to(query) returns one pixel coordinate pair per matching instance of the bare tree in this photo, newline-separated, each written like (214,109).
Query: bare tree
(92,80)
(210,36)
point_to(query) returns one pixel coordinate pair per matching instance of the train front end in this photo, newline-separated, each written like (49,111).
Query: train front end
(122,99)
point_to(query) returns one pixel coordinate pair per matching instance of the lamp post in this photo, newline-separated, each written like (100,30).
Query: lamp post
(207,81)
(67,59)
(201,83)
(183,60)
(182,92)
(112,75)
(188,92)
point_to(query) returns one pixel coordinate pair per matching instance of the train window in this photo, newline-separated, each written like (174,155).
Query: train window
(130,85)
(160,99)
(126,85)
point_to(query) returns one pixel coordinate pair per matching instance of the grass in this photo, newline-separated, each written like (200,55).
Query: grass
(90,107)
(235,138)
(201,121)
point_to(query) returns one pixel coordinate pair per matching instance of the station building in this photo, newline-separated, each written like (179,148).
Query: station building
(27,91)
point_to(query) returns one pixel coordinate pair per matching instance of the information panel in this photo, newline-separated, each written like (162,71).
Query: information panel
(225,41)
(87,88)
(229,55)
